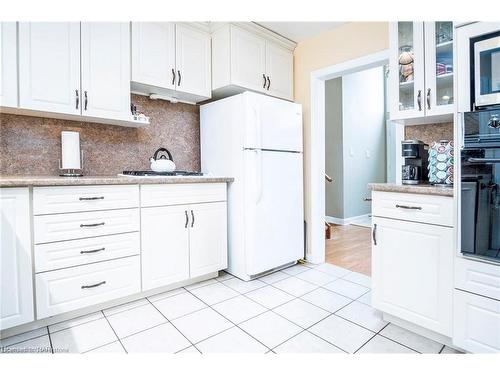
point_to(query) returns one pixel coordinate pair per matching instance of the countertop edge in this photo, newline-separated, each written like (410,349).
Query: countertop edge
(413,189)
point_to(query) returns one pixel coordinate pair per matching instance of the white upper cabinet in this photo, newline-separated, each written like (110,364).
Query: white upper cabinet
(248,60)
(153,54)
(245,60)
(49,66)
(279,68)
(171,60)
(421,69)
(105,69)
(16,299)
(193,61)
(8,64)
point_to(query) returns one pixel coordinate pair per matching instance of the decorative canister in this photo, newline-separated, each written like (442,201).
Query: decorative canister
(441,161)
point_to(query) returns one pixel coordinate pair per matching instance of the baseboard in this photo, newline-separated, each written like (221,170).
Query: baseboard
(346,221)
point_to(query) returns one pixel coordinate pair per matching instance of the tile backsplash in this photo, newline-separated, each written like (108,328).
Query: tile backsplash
(32,145)
(430,133)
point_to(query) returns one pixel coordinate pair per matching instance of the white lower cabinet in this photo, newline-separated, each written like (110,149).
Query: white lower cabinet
(78,287)
(476,323)
(412,279)
(16,297)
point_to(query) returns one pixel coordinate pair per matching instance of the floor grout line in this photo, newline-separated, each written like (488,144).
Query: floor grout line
(50,340)
(120,341)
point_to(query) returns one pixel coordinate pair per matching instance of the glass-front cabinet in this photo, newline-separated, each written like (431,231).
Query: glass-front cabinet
(421,69)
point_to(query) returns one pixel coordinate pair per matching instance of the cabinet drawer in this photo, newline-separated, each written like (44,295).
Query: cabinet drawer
(476,323)
(172,194)
(429,209)
(60,227)
(477,277)
(56,255)
(63,199)
(77,287)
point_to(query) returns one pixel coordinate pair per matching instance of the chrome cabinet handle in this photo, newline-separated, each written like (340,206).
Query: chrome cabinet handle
(179,80)
(268,83)
(483,160)
(187,219)
(90,198)
(173,76)
(91,225)
(92,251)
(77,99)
(93,285)
(367,199)
(419,100)
(408,207)
(192,216)
(86,100)
(374,234)
(328,178)
(428,98)
(265,81)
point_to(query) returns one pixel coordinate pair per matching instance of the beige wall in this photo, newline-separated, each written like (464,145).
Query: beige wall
(346,42)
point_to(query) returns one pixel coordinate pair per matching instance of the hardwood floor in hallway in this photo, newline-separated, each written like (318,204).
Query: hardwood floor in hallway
(350,247)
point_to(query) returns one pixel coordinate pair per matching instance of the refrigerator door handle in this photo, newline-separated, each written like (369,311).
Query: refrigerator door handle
(258,176)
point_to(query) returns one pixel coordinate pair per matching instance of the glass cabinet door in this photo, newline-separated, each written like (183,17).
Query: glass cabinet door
(407,69)
(439,67)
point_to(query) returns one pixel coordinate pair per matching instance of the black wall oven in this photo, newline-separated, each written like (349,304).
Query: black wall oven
(480,180)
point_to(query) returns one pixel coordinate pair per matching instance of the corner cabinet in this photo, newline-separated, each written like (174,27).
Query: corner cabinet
(16,299)
(412,259)
(171,59)
(8,64)
(245,60)
(421,69)
(182,237)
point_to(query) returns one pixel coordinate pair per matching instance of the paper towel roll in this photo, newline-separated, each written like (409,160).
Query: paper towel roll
(70,150)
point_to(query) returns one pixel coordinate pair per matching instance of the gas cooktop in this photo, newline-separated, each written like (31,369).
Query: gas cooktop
(158,174)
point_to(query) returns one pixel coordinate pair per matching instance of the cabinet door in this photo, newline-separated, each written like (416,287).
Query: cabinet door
(248,60)
(165,245)
(106,70)
(406,72)
(279,70)
(8,64)
(476,326)
(16,297)
(208,238)
(153,54)
(193,61)
(412,272)
(439,68)
(49,66)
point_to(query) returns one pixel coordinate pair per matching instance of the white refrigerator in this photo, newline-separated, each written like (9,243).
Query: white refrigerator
(257,140)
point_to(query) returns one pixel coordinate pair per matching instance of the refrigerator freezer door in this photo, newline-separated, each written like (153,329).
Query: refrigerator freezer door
(273,210)
(272,124)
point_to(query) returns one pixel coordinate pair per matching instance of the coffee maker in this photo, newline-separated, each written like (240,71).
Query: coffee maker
(416,155)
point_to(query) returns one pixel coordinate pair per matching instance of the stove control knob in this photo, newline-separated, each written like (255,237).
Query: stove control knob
(494,122)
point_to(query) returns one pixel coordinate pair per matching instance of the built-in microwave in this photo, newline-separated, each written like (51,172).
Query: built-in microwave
(485,70)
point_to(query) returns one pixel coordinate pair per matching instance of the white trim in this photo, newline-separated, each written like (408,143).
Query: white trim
(314,183)
(346,221)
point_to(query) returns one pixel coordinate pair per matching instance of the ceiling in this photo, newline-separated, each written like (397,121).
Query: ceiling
(298,31)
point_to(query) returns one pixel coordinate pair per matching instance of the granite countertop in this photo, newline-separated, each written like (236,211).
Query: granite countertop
(9,181)
(413,189)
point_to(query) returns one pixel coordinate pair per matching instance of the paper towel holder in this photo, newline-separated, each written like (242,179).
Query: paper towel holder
(70,164)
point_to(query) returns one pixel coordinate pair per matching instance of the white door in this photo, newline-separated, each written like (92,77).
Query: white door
(106,70)
(476,323)
(153,54)
(412,272)
(248,60)
(49,66)
(208,238)
(439,75)
(406,91)
(272,124)
(16,297)
(193,61)
(8,64)
(279,71)
(274,215)
(165,245)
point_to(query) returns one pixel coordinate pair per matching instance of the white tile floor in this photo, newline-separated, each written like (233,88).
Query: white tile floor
(302,309)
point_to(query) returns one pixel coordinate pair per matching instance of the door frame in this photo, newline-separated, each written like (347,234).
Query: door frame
(315,178)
